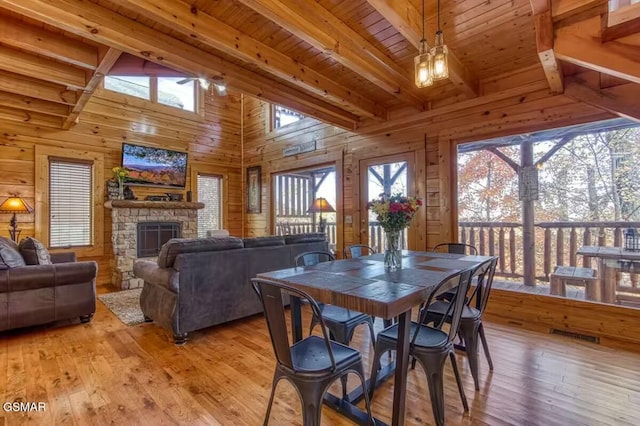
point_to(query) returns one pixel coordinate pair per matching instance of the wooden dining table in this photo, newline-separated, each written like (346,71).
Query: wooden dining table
(362,284)
(611,260)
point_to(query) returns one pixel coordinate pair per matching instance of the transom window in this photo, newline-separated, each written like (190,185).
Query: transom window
(283,116)
(177,92)
(209,193)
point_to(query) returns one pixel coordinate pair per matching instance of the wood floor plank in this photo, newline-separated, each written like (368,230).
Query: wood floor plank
(107,373)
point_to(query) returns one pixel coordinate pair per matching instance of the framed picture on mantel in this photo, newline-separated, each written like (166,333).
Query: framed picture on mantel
(254,190)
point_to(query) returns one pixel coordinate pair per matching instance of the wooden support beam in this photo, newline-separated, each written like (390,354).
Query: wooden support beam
(34,88)
(544,43)
(13,100)
(621,30)
(620,100)
(501,155)
(41,68)
(104,26)
(184,18)
(47,43)
(567,12)
(107,61)
(407,20)
(343,44)
(579,44)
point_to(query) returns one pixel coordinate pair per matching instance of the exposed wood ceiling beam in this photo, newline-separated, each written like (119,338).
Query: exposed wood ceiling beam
(13,100)
(32,87)
(621,100)
(566,12)
(107,61)
(579,44)
(97,23)
(544,42)
(621,30)
(407,20)
(37,40)
(182,17)
(41,68)
(342,43)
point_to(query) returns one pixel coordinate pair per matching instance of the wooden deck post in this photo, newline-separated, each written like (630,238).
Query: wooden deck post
(528,222)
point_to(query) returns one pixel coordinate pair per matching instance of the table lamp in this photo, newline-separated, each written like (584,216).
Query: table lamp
(15,205)
(321,205)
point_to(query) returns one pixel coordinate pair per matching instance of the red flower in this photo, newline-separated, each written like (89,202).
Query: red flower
(419,201)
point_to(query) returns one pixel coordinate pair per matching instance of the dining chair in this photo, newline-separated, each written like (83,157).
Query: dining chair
(456,248)
(358,250)
(310,365)
(471,328)
(430,345)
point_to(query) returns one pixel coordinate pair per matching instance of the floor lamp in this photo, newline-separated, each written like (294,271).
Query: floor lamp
(321,205)
(15,205)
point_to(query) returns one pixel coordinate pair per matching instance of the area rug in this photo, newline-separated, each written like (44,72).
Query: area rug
(125,305)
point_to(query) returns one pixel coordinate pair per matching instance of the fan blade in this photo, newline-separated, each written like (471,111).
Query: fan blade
(185,80)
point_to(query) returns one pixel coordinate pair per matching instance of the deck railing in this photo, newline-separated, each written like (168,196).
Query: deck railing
(557,243)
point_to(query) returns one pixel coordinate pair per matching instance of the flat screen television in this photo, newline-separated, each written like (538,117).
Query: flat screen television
(154,166)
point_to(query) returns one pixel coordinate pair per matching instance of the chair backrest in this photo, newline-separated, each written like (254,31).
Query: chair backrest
(459,284)
(271,295)
(457,248)
(310,258)
(484,274)
(358,250)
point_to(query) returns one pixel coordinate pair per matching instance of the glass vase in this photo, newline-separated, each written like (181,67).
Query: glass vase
(120,190)
(392,252)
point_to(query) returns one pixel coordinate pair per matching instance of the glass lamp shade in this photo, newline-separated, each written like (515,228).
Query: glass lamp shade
(15,205)
(423,72)
(439,53)
(321,205)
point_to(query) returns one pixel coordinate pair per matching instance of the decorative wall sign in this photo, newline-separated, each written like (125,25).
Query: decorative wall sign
(528,183)
(299,148)
(112,189)
(254,190)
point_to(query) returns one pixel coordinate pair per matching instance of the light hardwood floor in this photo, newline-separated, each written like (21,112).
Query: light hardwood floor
(107,373)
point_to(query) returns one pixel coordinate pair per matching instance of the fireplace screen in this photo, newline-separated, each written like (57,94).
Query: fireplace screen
(152,235)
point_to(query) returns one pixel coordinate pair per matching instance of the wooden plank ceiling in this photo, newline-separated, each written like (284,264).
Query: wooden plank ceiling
(340,61)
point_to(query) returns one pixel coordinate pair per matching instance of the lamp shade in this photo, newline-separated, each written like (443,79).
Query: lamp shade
(15,205)
(321,205)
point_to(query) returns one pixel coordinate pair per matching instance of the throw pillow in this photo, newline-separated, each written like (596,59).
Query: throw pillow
(10,257)
(34,252)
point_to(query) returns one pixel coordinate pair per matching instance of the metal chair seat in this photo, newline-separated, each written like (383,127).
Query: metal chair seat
(311,355)
(428,338)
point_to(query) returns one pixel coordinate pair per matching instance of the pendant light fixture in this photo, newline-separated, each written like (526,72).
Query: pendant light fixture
(423,71)
(439,53)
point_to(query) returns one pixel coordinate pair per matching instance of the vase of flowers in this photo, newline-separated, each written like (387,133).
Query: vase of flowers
(394,213)
(120,173)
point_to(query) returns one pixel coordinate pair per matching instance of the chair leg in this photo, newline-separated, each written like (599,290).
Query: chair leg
(485,346)
(375,367)
(359,370)
(433,365)
(372,332)
(311,395)
(276,379)
(463,397)
(469,331)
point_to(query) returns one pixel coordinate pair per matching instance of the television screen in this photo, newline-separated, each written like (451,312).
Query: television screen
(154,166)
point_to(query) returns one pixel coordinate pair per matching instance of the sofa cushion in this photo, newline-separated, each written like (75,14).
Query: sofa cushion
(176,246)
(305,238)
(9,242)
(34,252)
(10,257)
(263,241)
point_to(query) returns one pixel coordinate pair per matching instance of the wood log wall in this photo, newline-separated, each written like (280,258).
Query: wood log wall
(213,142)
(512,105)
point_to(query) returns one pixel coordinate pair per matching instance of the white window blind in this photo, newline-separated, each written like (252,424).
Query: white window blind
(70,201)
(209,193)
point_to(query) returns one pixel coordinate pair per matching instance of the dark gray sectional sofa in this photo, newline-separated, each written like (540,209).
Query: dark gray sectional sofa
(200,282)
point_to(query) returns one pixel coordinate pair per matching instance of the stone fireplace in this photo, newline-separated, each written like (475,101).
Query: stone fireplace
(167,217)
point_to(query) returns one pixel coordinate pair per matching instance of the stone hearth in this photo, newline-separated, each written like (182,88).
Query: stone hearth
(125,215)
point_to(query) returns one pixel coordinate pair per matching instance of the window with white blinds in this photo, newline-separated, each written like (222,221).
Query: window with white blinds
(70,202)
(209,193)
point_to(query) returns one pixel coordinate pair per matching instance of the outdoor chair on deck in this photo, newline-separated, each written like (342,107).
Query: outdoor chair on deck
(310,365)
(358,250)
(430,346)
(471,321)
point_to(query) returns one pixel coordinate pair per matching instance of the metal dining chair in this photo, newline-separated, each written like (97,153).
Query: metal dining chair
(430,345)
(310,365)
(358,250)
(471,328)
(456,248)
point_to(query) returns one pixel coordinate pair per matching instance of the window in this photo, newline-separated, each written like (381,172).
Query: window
(209,193)
(283,116)
(176,92)
(70,202)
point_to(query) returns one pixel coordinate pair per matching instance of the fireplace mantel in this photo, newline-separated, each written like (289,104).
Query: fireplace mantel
(142,204)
